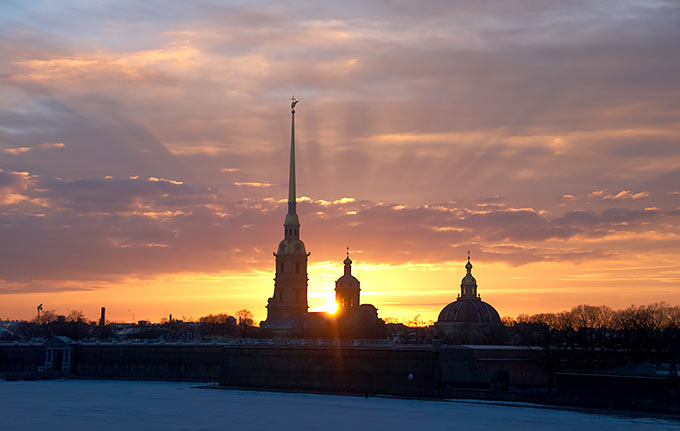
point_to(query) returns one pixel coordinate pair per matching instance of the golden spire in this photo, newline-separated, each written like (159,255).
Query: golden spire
(291,178)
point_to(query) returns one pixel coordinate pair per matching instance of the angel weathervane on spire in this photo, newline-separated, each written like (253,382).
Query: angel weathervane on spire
(293,102)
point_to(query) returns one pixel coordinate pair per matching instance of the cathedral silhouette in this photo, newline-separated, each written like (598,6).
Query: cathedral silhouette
(287,309)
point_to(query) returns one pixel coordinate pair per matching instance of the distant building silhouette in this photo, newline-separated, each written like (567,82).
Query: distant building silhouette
(352,317)
(347,291)
(467,310)
(288,304)
(287,309)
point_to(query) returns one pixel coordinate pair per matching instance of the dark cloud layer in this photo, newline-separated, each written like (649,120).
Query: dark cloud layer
(101,229)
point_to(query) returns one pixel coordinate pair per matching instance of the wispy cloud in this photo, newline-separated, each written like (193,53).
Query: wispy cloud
(17,151)
(626,195)
(46,145)
(167,225)
(154,179)
(253,184)
(52,145)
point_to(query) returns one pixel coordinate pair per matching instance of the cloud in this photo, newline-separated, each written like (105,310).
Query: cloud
(253,184)
(52,145)
(622,195)
(17,151)
(12,186)
(22,150)
(154,179)
(100,229)
(626,195)
(341,201)
(13,181)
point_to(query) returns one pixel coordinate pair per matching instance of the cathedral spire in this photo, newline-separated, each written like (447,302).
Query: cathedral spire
(291,178)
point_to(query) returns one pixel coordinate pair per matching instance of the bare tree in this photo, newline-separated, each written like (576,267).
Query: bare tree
(46,317)
(245,320)
(217,318)
(245,317)
(75,316)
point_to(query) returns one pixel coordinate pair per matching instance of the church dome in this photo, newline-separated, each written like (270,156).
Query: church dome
(469,311)
(347,282)
(469,307)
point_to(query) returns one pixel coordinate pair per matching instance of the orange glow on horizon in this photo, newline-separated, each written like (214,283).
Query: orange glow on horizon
(398,291)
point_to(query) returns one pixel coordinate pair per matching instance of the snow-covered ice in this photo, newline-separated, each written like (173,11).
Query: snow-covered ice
(124,405)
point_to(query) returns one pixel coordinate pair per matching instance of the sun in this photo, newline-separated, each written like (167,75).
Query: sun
(330,308)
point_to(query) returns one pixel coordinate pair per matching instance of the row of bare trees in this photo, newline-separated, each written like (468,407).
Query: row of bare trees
(598,337)
(656,316)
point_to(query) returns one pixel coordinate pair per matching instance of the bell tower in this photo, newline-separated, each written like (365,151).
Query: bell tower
(289,302)
(347,291)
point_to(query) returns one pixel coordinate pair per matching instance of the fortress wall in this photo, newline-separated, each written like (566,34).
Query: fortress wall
(333,369)
(21,360)
(369,369)
(192,362)
(523,364)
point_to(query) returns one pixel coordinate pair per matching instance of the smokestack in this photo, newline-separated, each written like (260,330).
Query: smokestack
(102,319)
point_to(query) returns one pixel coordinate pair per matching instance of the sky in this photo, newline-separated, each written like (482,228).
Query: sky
(144,145)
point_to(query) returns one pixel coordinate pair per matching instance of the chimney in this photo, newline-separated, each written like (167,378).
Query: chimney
(102,319)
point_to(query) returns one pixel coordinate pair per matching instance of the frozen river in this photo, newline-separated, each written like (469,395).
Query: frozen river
(122,405)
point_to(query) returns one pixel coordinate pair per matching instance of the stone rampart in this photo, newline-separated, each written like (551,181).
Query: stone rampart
(329,367)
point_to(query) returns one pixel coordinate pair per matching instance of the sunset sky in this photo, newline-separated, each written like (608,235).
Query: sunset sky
(143,153)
